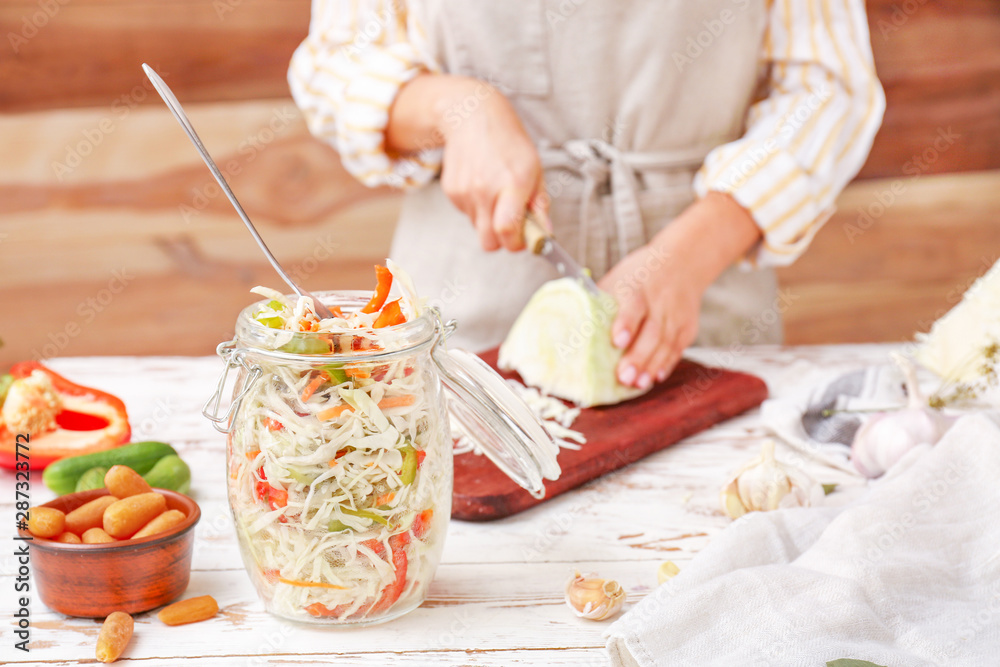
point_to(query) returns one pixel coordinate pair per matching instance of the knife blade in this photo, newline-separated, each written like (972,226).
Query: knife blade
(541,242)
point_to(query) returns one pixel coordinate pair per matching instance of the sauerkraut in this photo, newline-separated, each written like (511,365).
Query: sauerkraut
(340,472)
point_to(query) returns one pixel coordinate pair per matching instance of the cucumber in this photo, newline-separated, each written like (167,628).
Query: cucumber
(63,475)
(92,479)
(170,472)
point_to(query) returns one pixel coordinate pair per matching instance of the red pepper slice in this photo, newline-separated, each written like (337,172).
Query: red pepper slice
(319,610)
(390,316)
(392,592)
(272,424)
(383,278)
(91,421)
(277,498)
(422,524)
(274,497)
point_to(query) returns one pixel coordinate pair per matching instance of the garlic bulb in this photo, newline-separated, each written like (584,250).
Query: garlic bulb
(887,436)
(593,598)
(766,484)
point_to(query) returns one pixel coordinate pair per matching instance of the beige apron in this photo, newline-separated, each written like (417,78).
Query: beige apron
(624,109)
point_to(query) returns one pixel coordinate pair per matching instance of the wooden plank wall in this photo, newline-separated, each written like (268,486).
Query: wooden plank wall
(113,240)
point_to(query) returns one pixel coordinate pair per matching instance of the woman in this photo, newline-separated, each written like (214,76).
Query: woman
(680,149)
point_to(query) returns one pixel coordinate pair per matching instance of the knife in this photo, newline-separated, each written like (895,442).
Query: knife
(540,241)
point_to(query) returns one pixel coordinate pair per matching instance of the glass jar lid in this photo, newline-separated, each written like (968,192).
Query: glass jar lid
(498,420)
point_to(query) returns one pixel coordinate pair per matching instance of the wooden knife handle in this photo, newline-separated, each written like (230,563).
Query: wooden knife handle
(535,234)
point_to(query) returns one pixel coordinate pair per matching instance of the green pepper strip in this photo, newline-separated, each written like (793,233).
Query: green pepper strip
(300,477)
(336,373)
(408,472)
(272,322)
(365,514)
(306,346)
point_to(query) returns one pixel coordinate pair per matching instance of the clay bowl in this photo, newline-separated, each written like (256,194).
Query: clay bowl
(93,580)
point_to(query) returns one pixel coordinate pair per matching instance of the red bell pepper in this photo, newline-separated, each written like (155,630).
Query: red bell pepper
(89,420)
(274,497)
(392,592)
(383,278)
(390,316)
(422,524)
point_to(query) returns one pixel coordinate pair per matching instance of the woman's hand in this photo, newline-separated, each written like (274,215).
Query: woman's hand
(660,285)
(491,170)
(658,310)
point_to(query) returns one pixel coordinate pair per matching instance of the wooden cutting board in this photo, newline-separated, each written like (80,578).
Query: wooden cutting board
(692,399)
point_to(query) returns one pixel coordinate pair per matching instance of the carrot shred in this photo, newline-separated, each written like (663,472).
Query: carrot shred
(311,584)
(383,278)
(385,499)
(252,455)
(356,373)
(397,401)
(386,403)
(333,413)
(312,387)
(391,315)
(319,610)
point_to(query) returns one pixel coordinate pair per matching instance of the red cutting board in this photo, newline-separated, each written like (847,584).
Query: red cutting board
(692,399)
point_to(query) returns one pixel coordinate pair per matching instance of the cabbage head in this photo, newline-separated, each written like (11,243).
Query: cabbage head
(561,344)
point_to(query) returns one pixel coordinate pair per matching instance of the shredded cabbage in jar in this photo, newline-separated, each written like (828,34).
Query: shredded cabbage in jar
(339,474)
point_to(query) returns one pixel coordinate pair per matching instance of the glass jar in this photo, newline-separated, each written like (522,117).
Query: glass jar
(339,458)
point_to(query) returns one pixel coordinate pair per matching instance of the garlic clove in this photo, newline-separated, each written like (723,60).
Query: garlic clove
(667,570)
(593,598)
(731,503)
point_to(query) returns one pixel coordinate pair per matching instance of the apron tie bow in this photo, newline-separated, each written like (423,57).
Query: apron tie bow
(604,169)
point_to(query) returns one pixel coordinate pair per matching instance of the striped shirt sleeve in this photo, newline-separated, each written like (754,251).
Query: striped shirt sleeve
(345,76)
(811,132)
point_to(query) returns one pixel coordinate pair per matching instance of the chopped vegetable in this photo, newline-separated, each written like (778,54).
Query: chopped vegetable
(62,418)
(390,316)
(310,584)
(384,283)
(561,344)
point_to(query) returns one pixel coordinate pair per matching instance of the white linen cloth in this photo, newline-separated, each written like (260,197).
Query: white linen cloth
(908,575)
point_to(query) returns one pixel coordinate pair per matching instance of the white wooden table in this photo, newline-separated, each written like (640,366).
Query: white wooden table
(498,595)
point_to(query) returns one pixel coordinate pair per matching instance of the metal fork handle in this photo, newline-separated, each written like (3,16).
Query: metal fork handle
(175,108)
